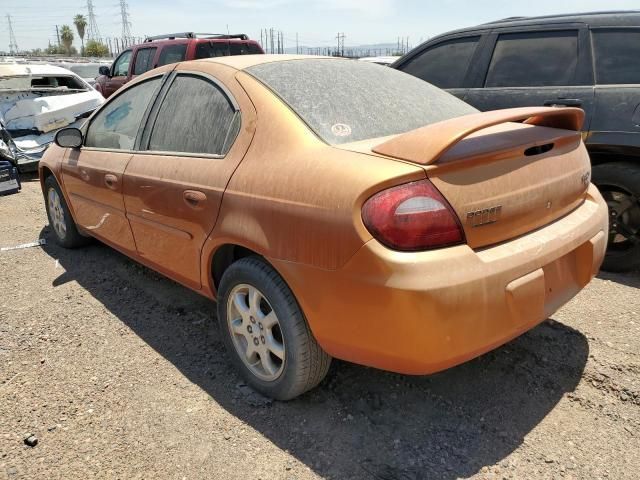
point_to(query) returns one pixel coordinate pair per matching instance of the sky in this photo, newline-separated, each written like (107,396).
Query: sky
(317,22)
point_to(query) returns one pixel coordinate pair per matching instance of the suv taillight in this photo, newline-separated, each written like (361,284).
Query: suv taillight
(411,217)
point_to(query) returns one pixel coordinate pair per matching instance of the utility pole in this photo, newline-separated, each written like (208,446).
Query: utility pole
(126,25)
(58,35)
(13,44)
(271,32)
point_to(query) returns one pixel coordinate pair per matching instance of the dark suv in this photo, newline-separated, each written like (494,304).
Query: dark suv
(170,48)
(589,60)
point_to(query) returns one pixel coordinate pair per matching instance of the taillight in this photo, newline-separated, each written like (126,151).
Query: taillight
(414,216)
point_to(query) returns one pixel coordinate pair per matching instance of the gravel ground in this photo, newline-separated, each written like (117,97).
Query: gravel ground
(119,373)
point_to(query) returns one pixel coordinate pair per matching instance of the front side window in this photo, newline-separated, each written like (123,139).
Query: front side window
(534,59)
(617,52)
(444,65)
(144,59)
(172,54)
(195,117)
(121,68)
(116,125)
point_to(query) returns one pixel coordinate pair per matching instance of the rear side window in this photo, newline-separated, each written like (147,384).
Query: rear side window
(617,55)
(197,117)
(172,54)
(534,59)
(144,59)
(444,65)
(116,125)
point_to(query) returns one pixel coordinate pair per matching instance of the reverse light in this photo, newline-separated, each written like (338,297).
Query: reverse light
(411,217)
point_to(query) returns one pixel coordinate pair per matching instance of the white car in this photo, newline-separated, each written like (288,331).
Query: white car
(35,102)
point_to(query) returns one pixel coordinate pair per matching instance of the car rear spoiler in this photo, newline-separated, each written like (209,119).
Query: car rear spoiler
(426,145)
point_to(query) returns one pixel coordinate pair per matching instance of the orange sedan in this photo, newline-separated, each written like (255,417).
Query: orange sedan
(335,209)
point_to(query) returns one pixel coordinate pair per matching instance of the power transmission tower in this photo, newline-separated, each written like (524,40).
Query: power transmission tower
(340,38)
(92,32)
(13,44)
(126,25)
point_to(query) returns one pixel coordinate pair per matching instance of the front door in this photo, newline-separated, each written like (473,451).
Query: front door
(550,67)
(119,74)
(93,174)
(173,187)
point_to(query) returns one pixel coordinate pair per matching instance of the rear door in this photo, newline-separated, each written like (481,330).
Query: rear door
(535,66)
(93,174)
(446,63)
(173,186)
(119,73)
(143,61)
(617,70)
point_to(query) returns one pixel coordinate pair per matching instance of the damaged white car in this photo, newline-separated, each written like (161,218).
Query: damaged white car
(35,102)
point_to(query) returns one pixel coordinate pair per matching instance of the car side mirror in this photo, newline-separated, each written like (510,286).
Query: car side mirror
(104,70)
(68,138)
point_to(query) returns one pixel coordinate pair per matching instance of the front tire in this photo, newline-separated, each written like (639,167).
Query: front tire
(265,332)
(61,222)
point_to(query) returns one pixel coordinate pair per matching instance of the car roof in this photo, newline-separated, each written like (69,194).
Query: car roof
(23,69)
(241,62)
(612,18)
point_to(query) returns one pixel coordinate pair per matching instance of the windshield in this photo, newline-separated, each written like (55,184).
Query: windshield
(85,71)
(346,101)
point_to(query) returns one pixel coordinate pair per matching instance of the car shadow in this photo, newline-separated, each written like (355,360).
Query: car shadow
(630,279)
(360,422)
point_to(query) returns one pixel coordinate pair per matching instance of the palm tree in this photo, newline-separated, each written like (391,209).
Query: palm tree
(81,23)
(67,38)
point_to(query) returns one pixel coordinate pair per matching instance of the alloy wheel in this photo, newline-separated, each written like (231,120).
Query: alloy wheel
(255,331)
(56,213)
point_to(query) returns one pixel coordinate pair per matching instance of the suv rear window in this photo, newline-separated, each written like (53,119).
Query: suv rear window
(617,52)
(345,101)
(444,65)
(534,59)
(223,49)
(172,54)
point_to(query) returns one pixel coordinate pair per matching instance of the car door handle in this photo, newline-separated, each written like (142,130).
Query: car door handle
(111,181)
(563,102)
(194,198)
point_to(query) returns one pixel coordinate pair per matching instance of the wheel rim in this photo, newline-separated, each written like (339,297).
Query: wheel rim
(624,218)
(56,214)
(255,331)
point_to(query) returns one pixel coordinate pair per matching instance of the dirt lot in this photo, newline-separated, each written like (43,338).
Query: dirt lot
(119,373)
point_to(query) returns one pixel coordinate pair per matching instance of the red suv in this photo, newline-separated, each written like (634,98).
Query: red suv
(171,48)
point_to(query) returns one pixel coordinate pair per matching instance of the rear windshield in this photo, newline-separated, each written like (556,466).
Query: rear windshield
(223,49)
(346,101)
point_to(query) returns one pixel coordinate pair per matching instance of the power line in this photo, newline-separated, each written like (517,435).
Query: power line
(13,44)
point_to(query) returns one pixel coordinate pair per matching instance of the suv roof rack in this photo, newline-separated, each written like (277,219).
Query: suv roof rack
(172,36)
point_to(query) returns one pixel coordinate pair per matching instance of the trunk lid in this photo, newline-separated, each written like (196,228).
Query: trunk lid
(503,179)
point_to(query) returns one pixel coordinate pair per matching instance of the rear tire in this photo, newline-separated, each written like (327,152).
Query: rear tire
(61,222)
(619,184)
(266,333)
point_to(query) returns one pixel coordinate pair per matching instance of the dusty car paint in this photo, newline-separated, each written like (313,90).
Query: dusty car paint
(284,194)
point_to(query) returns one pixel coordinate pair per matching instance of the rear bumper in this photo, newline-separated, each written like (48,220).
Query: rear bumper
(419,313)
